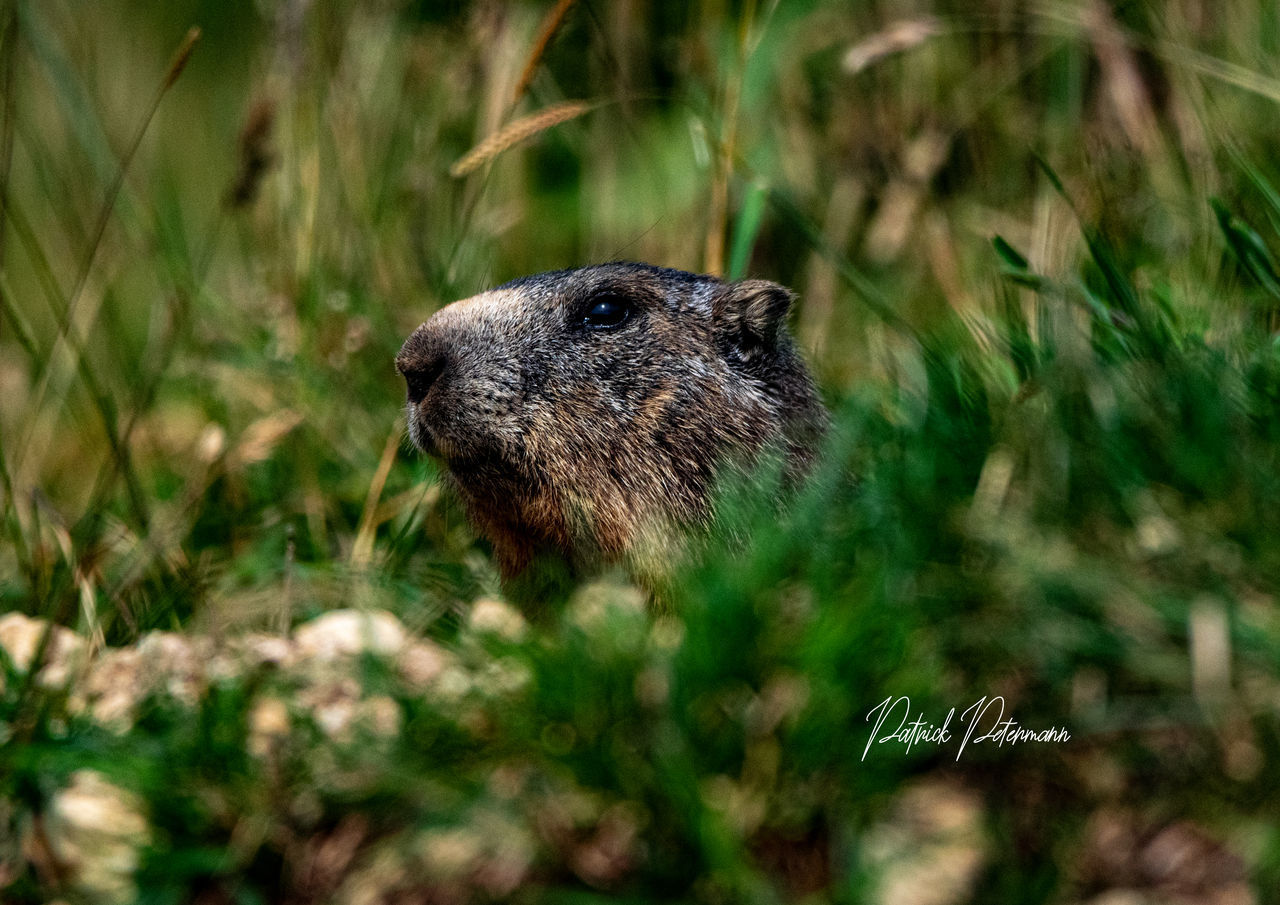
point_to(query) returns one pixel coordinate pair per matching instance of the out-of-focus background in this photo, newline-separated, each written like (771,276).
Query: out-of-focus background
(1034,246)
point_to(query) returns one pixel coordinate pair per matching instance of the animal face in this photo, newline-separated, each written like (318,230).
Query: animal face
(573,407)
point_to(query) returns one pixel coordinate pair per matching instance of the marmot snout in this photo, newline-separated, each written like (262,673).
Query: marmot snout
(588,412)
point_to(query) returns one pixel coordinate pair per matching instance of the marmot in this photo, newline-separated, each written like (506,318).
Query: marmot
(588,412)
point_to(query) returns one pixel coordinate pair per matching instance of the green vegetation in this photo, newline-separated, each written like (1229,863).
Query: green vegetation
(1036,251)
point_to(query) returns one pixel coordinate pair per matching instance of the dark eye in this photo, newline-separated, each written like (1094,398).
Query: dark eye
(606,312)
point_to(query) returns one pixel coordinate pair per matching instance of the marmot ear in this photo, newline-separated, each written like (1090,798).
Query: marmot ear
(748,315)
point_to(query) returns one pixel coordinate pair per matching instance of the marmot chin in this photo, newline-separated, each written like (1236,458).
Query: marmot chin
(588,413)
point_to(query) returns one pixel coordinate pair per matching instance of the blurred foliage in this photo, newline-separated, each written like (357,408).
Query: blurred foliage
(1035,247)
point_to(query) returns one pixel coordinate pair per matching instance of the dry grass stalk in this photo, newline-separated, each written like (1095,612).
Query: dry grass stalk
(256,156)
(550,25)
(180,57)
(899,36)
(362,550)
(515,132)
(1123,80)
(821,287)
(718,218)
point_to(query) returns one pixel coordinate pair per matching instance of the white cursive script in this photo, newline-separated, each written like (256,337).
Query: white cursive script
(988,712)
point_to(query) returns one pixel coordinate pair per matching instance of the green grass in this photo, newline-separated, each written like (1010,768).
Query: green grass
(1036,255)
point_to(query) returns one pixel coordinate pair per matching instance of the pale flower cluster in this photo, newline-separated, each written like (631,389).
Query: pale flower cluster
(89,835)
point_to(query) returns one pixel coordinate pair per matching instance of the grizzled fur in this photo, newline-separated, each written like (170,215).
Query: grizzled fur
(588,412)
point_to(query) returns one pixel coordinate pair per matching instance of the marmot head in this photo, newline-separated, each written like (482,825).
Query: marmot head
(589,411)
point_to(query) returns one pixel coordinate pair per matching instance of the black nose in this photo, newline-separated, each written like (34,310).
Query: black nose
(420,365)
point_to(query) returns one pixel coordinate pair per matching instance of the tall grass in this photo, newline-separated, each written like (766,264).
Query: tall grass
(1035,247)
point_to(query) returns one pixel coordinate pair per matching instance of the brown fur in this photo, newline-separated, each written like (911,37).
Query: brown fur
(566,433)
